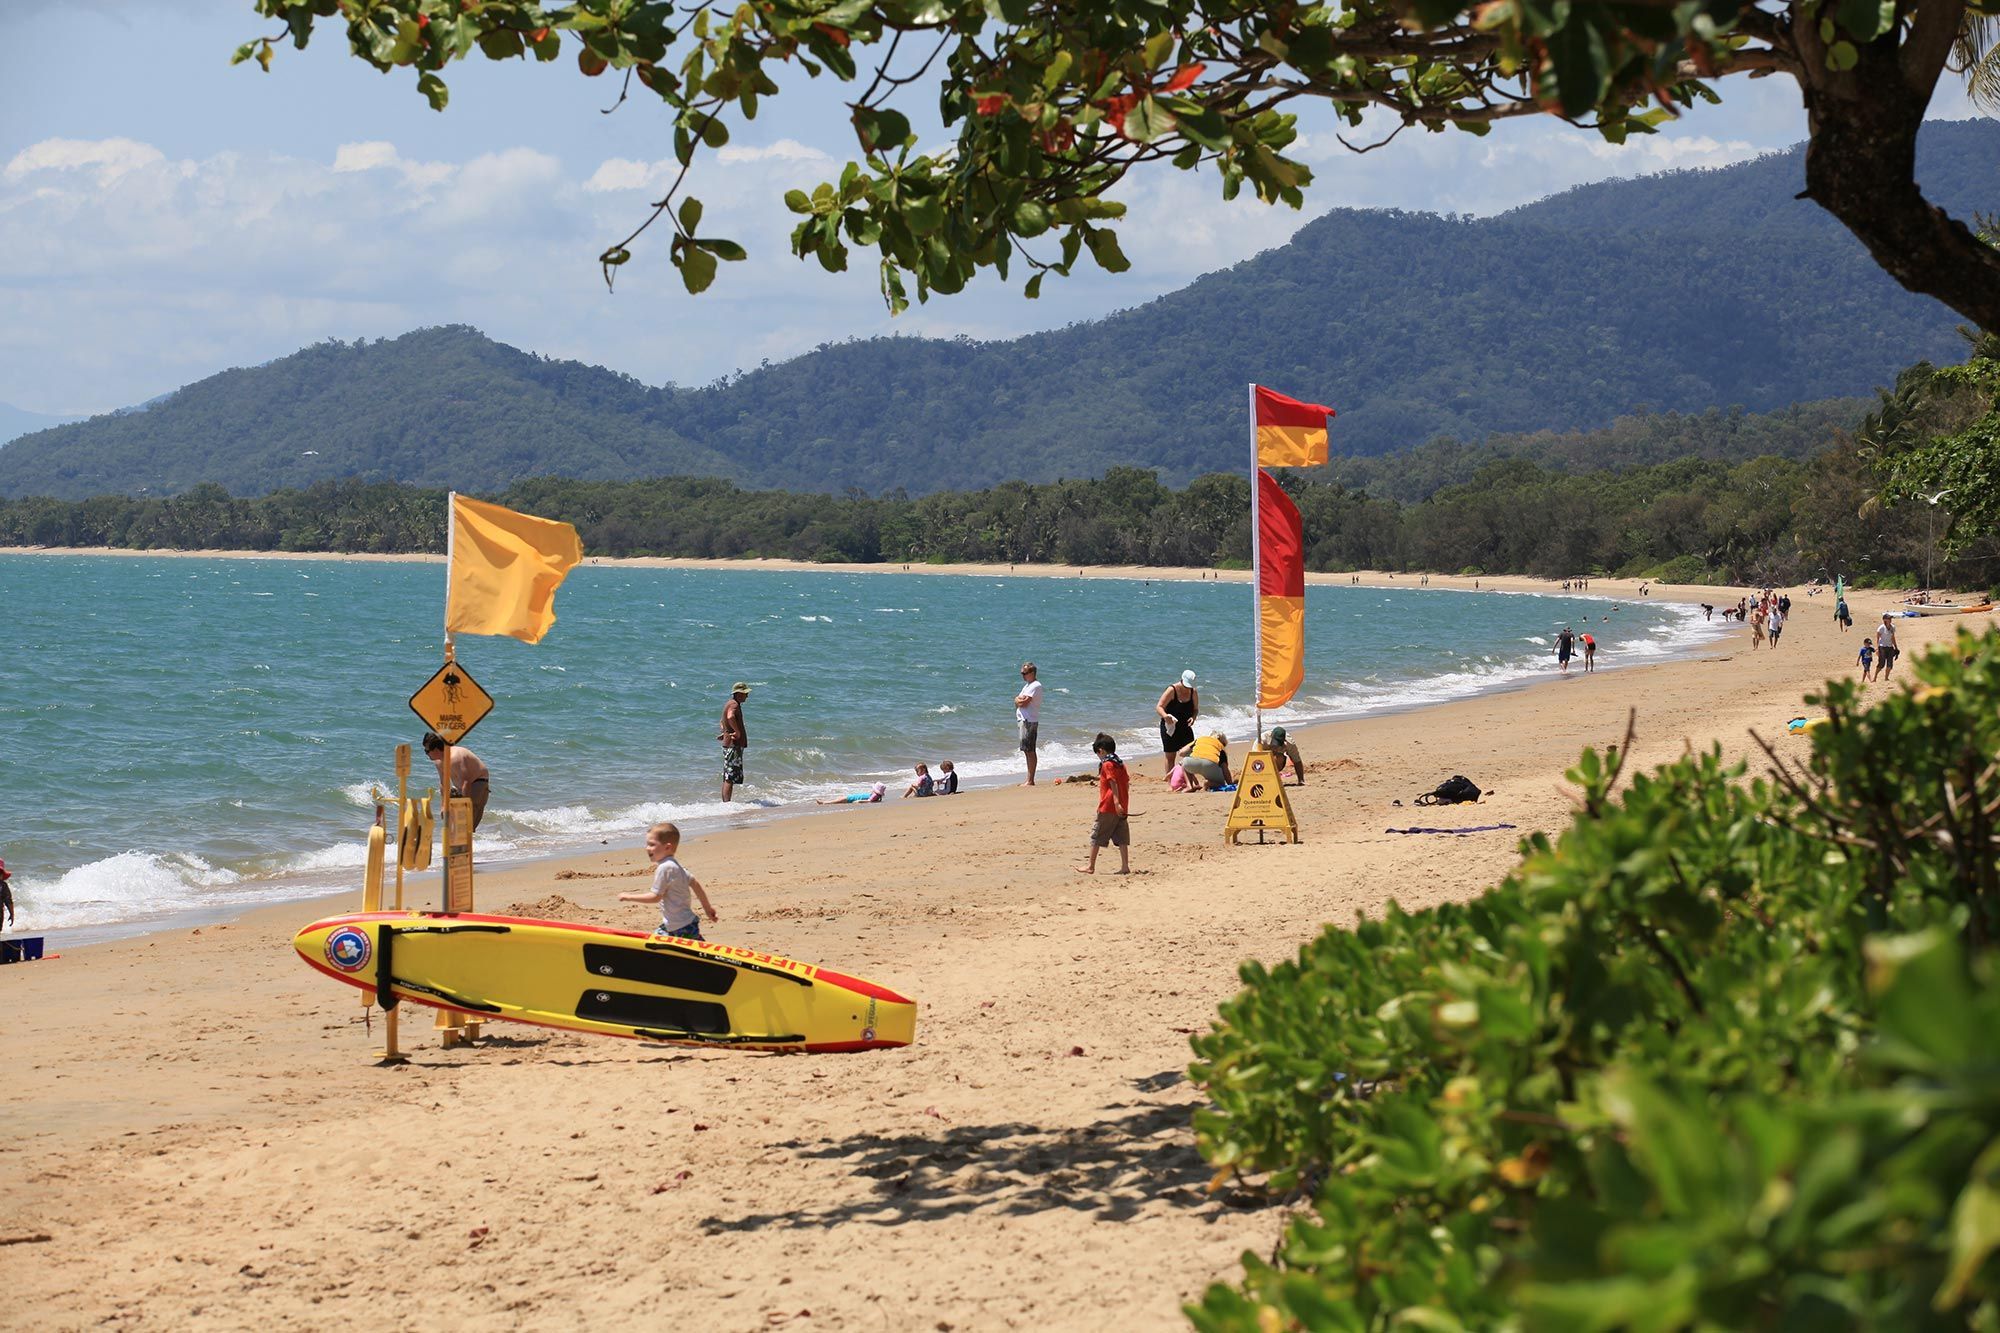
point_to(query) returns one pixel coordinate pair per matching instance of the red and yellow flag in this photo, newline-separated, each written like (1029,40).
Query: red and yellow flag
(1281,593)
(505,569)
(1289,433)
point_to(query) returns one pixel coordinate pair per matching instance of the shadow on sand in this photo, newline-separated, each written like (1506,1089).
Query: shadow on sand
(1135,1155)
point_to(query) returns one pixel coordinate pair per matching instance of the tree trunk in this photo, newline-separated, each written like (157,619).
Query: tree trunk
(1861,160)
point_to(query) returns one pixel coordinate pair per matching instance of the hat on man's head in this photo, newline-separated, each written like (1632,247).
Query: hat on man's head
(1187,679)
(1277,735)
(740,687)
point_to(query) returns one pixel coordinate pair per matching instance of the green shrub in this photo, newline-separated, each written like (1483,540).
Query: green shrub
(1669,1073)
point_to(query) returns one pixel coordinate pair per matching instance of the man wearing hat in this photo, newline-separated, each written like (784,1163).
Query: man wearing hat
(1028,715)
(734,737)
(1286,751)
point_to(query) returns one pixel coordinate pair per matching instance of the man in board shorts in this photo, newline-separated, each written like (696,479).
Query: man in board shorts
(735,737)
(1565,645)
(1886,651)
(1028,715)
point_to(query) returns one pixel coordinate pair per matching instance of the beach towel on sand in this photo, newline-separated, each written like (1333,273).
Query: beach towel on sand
(1476,828)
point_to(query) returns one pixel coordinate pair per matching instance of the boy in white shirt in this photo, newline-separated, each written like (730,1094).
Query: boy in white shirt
(672,886)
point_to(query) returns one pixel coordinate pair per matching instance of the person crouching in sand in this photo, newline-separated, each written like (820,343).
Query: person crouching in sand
(1114,803)
(672,886)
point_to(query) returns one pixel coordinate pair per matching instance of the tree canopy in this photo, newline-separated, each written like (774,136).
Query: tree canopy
(1054,102)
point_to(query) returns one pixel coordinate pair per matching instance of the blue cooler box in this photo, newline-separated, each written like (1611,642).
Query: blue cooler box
(27,949)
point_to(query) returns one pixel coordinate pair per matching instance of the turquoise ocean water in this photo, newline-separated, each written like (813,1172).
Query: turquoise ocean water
(183,737)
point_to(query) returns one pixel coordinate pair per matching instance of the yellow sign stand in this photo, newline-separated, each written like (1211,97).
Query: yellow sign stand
(451,702)
(1260,800)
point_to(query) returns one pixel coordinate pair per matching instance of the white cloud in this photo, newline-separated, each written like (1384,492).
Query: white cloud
(108,159)
(784,150)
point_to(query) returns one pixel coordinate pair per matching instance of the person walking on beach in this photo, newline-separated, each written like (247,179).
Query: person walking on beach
(1776,623)
(1114,803)
(1178,707)
(735,738)
(672,886)
(1028,715)
(1886,651)
(468,776)
(1565,645)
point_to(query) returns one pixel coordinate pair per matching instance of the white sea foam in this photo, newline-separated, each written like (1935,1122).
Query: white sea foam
(120,888)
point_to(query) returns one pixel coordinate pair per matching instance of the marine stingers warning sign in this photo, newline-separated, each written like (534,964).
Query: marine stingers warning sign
(1260,800)
(451,702)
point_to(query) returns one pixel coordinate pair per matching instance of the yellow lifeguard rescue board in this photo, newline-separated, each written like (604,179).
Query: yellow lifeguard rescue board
(616,982)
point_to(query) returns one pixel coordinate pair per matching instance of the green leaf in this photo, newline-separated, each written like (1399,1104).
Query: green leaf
(1033,289)
(714,133)
(798,201)
(690,214)
(1842,56)
(722,249)
(1149,121)
(881,128)
(1158,47)
(1030,218)
(434,91)
(1104,249)
(697,269)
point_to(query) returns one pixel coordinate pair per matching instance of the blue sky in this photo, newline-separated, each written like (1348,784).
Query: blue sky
(166,216)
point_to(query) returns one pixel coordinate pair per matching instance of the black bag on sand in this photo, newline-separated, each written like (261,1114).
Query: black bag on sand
(1454,790)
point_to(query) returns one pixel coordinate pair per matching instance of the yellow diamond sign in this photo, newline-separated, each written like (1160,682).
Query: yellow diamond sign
(451,702)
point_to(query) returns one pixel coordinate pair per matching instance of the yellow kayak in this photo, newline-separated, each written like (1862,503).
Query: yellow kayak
(591,979)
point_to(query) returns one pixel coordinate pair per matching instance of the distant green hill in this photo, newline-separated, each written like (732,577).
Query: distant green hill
(1681,292)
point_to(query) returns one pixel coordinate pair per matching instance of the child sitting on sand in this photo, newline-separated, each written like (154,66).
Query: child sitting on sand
(1114,802)
(672,886)
(925,785)
(869,797)
(947,782)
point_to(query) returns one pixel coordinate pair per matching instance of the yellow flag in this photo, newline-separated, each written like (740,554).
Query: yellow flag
(505,569)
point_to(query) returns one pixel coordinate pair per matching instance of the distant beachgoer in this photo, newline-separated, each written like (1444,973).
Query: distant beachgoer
(469,776)
(735,738)
(1775,623)
(1589,653)
(869,797)
(925,785)
(1114,803)
(947,783)
(1565,645)
(1886,651)
(1285,751)
(1866,658)
(1842,616)
(1206,762)
(6,897)
(1757,627)
(673,888)
(1707,612)
(1028,715)
(1179,706)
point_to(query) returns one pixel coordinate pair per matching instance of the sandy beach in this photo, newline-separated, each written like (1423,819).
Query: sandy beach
(200,1137)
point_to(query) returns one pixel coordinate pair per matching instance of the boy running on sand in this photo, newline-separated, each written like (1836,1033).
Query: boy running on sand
(1114,802)
(672,886)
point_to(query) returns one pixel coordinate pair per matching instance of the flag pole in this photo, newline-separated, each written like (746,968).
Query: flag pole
(1256,577)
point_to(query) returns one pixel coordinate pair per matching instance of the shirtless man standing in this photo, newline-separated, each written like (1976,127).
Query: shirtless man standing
(468,773)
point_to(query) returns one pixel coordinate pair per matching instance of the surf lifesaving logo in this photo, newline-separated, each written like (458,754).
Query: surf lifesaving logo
(348,949)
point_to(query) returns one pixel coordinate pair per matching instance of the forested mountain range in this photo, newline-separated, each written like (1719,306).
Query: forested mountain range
(16,421)
(1683,292)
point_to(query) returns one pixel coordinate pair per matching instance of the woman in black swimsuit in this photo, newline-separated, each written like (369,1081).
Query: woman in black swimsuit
(1178,707)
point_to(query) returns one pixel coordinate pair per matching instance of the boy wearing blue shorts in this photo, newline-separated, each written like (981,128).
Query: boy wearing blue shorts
(673,888)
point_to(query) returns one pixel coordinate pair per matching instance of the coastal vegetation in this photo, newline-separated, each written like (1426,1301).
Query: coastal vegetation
(1716,1056)
(1512,507)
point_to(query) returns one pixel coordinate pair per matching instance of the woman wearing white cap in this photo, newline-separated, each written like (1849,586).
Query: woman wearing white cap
(1179,706)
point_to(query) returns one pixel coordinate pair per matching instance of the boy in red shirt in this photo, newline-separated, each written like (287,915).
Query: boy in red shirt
(1114,800)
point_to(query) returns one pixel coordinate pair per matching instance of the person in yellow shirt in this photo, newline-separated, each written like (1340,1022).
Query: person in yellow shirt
(1206,762)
